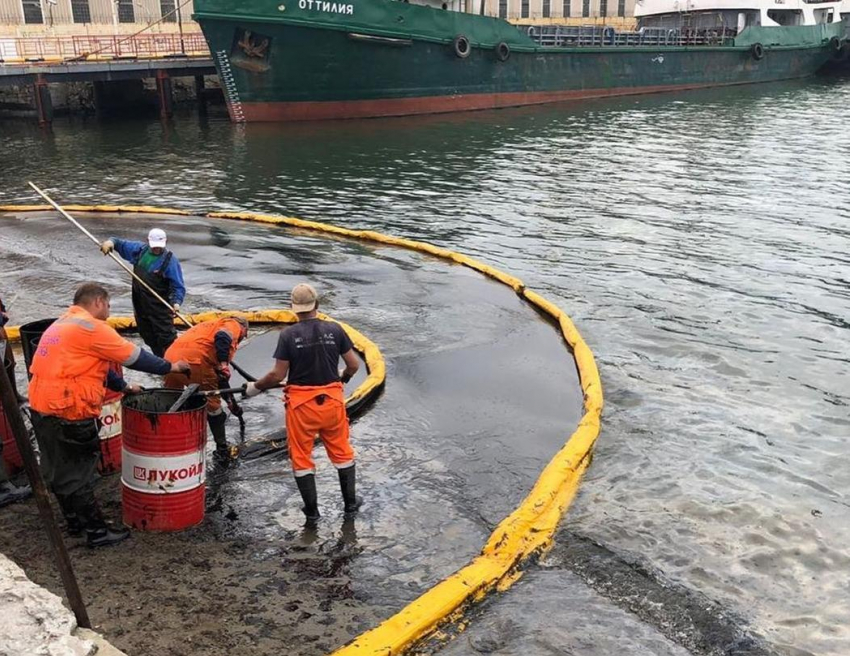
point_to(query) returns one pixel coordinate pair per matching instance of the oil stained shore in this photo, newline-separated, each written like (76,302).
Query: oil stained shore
(469,412)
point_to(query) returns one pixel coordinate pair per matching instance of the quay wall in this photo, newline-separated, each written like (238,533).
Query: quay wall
(82,99)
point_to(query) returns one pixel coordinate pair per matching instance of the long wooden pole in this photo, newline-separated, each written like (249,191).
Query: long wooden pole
(124,266)
(54,535)
(117,259)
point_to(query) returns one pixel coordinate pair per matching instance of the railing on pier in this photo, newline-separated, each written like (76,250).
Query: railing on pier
(66,48)
(568,36)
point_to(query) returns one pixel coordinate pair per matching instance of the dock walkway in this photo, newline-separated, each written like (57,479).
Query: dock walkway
(102,60)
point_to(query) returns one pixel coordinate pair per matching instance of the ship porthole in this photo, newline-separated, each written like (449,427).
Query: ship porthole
(503,51)
(461,46)
(757,51)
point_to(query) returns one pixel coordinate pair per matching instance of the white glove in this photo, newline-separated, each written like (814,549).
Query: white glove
(107,247)
(250,390)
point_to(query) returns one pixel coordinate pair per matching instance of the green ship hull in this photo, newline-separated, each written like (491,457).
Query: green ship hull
(314,60)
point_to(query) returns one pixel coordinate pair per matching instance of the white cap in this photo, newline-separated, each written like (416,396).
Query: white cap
(156,238)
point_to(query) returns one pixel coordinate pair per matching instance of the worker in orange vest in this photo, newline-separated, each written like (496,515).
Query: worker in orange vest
(209,347)
(70,371)
(9,493)
(309,352)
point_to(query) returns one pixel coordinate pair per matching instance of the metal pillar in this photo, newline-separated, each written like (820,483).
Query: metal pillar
(200,94)
(164,94)
(99,100)
(180,26)
(43,102)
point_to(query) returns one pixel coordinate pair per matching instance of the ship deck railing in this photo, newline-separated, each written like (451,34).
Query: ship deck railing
(570,36)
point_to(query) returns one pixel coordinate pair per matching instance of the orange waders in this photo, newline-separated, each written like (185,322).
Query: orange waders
(317,411)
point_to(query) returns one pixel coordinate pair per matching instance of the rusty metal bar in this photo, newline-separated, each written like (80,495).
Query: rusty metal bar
(54,535)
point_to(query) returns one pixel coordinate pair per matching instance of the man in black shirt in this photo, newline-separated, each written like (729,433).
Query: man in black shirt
(309,352)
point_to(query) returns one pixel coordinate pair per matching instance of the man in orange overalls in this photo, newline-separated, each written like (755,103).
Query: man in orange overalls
(209,347)
(70,371)
(309,353)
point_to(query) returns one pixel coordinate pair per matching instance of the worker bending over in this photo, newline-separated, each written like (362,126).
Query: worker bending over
(70,370)
(209,347)
(161,270)
(309,352)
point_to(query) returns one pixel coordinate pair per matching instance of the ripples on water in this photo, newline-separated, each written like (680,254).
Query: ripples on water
(699,240)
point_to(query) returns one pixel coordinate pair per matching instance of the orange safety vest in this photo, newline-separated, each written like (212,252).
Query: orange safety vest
(70,365)
(197,345)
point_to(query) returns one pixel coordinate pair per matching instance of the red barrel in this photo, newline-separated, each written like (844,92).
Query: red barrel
(11,456)
(163,461)
(110,430)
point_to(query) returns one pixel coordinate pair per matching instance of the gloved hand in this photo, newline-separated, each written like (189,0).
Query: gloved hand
(175,308)
(107,247)
(133,389)
(223,372)
(180,367)
(249,390)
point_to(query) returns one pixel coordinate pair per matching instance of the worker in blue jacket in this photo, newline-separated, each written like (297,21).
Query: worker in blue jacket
(161,270)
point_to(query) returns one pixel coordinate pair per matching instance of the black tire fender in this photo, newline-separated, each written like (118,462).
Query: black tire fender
(461,46)
(503,51)
(757,51)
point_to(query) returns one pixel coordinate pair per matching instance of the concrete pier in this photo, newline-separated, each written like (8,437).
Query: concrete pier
(118,85)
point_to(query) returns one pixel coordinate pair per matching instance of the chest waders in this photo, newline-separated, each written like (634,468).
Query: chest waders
(155,321)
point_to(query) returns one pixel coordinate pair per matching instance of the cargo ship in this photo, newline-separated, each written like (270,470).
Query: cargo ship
(299,60)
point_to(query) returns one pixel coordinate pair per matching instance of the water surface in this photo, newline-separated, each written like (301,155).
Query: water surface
(699,240)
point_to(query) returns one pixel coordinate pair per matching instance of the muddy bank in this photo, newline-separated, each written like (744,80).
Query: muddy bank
(480,393)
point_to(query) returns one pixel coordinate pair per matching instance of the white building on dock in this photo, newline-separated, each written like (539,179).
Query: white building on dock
(55,18)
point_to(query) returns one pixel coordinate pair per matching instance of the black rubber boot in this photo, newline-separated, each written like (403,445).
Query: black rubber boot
(347,478)
(216,424)
(307,488)
(73,524)
(12,494)
(98,532)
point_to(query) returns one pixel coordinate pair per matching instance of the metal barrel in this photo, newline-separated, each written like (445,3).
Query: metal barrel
(111,430)
(30,335)
(12,460)
(163,464)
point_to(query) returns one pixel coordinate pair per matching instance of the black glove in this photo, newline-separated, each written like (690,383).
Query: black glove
(235,409)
